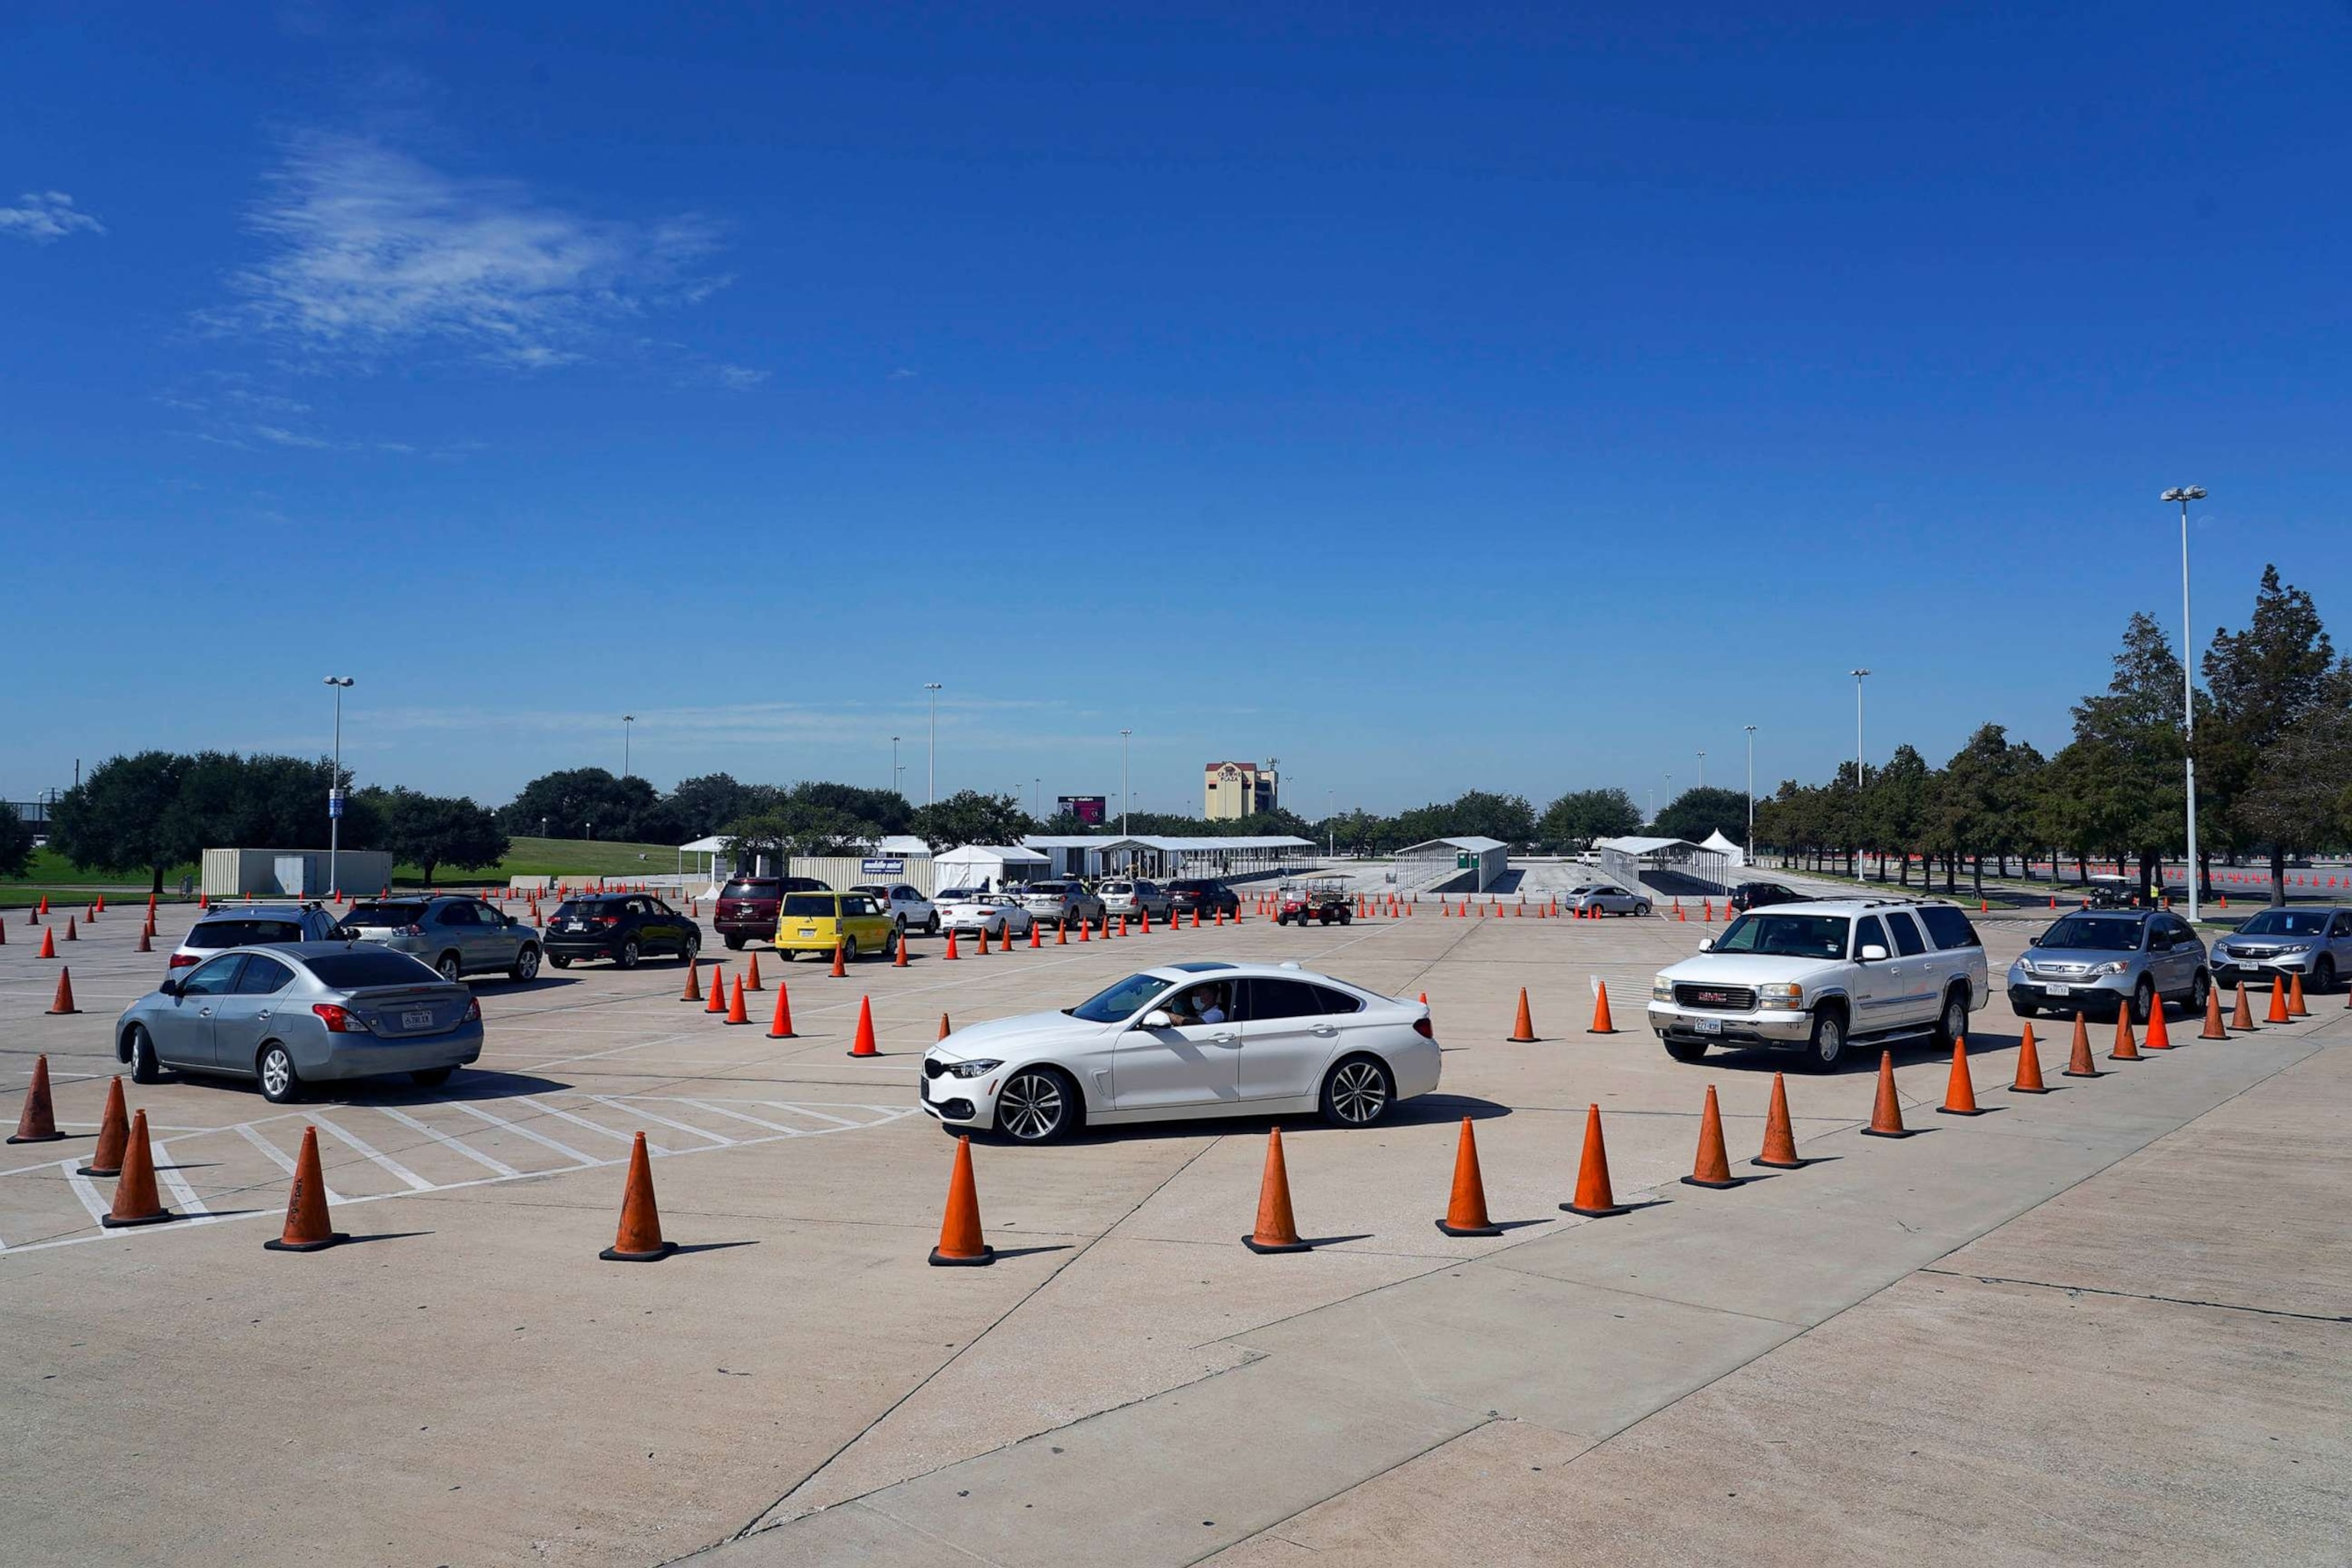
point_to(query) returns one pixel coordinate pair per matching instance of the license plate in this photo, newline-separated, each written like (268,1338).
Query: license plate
(808,931)
(577,925)
(2060,990)
(1710,1025)
(416,1018)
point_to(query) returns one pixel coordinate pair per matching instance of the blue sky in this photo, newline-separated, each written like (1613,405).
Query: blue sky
(1434,397)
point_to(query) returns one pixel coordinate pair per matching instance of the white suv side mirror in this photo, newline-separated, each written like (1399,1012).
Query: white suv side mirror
(1706,944)
(1872,953)
(1158,1018)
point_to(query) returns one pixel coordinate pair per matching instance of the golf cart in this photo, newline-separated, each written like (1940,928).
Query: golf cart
(1323,898)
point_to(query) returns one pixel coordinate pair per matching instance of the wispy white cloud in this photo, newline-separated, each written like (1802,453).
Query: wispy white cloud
(741,377)
(280,436)
(43,216)
(371,249)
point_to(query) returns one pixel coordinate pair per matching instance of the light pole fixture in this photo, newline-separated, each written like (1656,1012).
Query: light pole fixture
(894,762)
(1702,769)
(2184,494)
(342,683)
(627,721)
(932,762)
(1857,769)
(1037,798)
(1124,798)
(1752,791)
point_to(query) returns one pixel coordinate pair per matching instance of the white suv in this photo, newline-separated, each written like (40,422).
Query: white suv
(1818,976)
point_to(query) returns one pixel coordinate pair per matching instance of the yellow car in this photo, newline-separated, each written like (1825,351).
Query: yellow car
(816,923)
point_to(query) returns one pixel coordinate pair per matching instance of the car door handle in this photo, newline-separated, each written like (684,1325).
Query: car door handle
(1224,1039)
(262,1015)
(1325,1030)
(204,1012)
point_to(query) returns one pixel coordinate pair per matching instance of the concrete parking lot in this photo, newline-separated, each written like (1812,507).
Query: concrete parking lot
(2106,1324)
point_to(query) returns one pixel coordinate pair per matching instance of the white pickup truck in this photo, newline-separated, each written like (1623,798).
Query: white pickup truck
(1818,976)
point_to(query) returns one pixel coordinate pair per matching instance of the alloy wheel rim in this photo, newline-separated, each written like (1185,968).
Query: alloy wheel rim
(275,1073)
(1031,1106)
(1358,1093)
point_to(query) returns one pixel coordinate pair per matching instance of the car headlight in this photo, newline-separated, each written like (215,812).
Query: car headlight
(1781,998)
(2117,966)
(1662,989)
(973,1069)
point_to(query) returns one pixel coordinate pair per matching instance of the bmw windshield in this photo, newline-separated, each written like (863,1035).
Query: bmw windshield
(1118,1002)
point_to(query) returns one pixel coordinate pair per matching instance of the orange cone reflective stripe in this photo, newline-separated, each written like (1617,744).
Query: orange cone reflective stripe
(1277,1228)
(1465,1211)
(639,1239)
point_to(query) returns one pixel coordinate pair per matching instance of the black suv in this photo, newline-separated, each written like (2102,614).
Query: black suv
(623,927)
(1761,895)
(749,906)
(1205,894)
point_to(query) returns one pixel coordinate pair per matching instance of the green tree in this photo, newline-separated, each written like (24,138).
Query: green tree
(2132,761)
(884,811)
(15,842)
(1984,803)
(968,817)
(702,805)
(2265,682)
(1895,814)
(1579,817)
(1698,813)
(430,831)
(580,803)
(123,817)
(798,827)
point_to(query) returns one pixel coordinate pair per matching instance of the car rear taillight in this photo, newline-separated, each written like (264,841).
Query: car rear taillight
(412,931)
(339,1020)
(1420,1027)
(473,1010)
(608,920)
(181,959)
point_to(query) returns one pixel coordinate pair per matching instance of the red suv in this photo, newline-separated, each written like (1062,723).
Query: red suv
(747,905)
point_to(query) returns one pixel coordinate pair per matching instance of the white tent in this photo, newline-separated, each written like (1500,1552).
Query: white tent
(991,864)
(1731,852)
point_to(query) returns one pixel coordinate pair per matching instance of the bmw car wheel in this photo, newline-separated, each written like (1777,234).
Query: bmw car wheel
(1357,1093)
(1033,1107)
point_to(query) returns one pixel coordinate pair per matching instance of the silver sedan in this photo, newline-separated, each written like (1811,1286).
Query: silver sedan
(1604,898)
(306,1013)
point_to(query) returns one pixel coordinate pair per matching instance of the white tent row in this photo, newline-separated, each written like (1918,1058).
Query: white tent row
(988,865)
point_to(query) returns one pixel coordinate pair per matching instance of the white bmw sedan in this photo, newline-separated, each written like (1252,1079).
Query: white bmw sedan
(1186,1041)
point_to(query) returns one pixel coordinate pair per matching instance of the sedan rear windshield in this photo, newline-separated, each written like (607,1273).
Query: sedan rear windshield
(957,895)
(363,967)
(746,888)
(384,917)
(211,935)
(1785,936)
(2090,933)
(1048,889)
(1118,1002)
(2286,923)
(812,906)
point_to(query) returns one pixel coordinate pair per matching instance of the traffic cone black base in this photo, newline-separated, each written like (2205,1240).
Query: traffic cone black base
(1596,1214)
(274,1244)
(1256,1245)
(1719,1186)
(614,1255)
(1448,1229)
(982,1259)
(111,1222)
(1898,1133)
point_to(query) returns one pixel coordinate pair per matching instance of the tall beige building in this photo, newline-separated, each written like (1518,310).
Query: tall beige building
(1231,790)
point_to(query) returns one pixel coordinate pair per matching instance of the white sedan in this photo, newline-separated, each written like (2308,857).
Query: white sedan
(1186,1041)
(968,910)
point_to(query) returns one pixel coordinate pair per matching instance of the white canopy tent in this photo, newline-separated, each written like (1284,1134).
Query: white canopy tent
(990,865)
(1733,854)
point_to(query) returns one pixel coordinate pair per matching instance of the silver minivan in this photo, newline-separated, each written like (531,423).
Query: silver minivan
(2092,961)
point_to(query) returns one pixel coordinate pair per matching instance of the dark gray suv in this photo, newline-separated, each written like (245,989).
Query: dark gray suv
(458,936)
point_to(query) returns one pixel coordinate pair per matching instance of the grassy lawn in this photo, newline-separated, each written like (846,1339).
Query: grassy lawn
(52,876)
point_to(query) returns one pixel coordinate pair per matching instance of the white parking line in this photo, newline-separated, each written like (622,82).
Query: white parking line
(583,1122)
(84,1190)
(485,1161)
(416,1182)
(720,1139)
(820,1115)
(540,1138)
(277,1156)
(741,1116)
(178,1183)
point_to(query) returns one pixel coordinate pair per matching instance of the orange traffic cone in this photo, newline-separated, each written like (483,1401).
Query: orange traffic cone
(960,1243)
(1221,918)
(2213,1029)
(1601,1022)
(70,930)
(1959,1092)
(1886,1112)
(1276,1230)
(144,944)
(2159,1038)
(693,992)
(48,941)
(1712,1168)
(307,1229)
(2294,997)
(840,967)
(1035,941)
(898,952)
(1523,1032)
(752,980)
(2078,1062)
(1004,943)
(1196,917)
(1123,925)
(2278,1012)
(2241,1017)
(980,942)
(2126,1049)
(2028,1066)
(113,1135)
(863,1045)
(1780,1137)
(39,1122)
(1595,1199)
(945,1028)
(782,1028)
(639,1239)
(718,993)
(953,951)
(1465,1212)
(64,1001)
(1085,932)
(735,1012)
(135,1202)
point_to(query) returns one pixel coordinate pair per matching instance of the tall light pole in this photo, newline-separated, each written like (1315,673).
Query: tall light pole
(1701,769)
(2184,494)
(1752,793)
(1857,773)
(627,720)
(932,763)
(1036,797)
(342,683)
(1123,798)
(894,762)
(1330,824)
